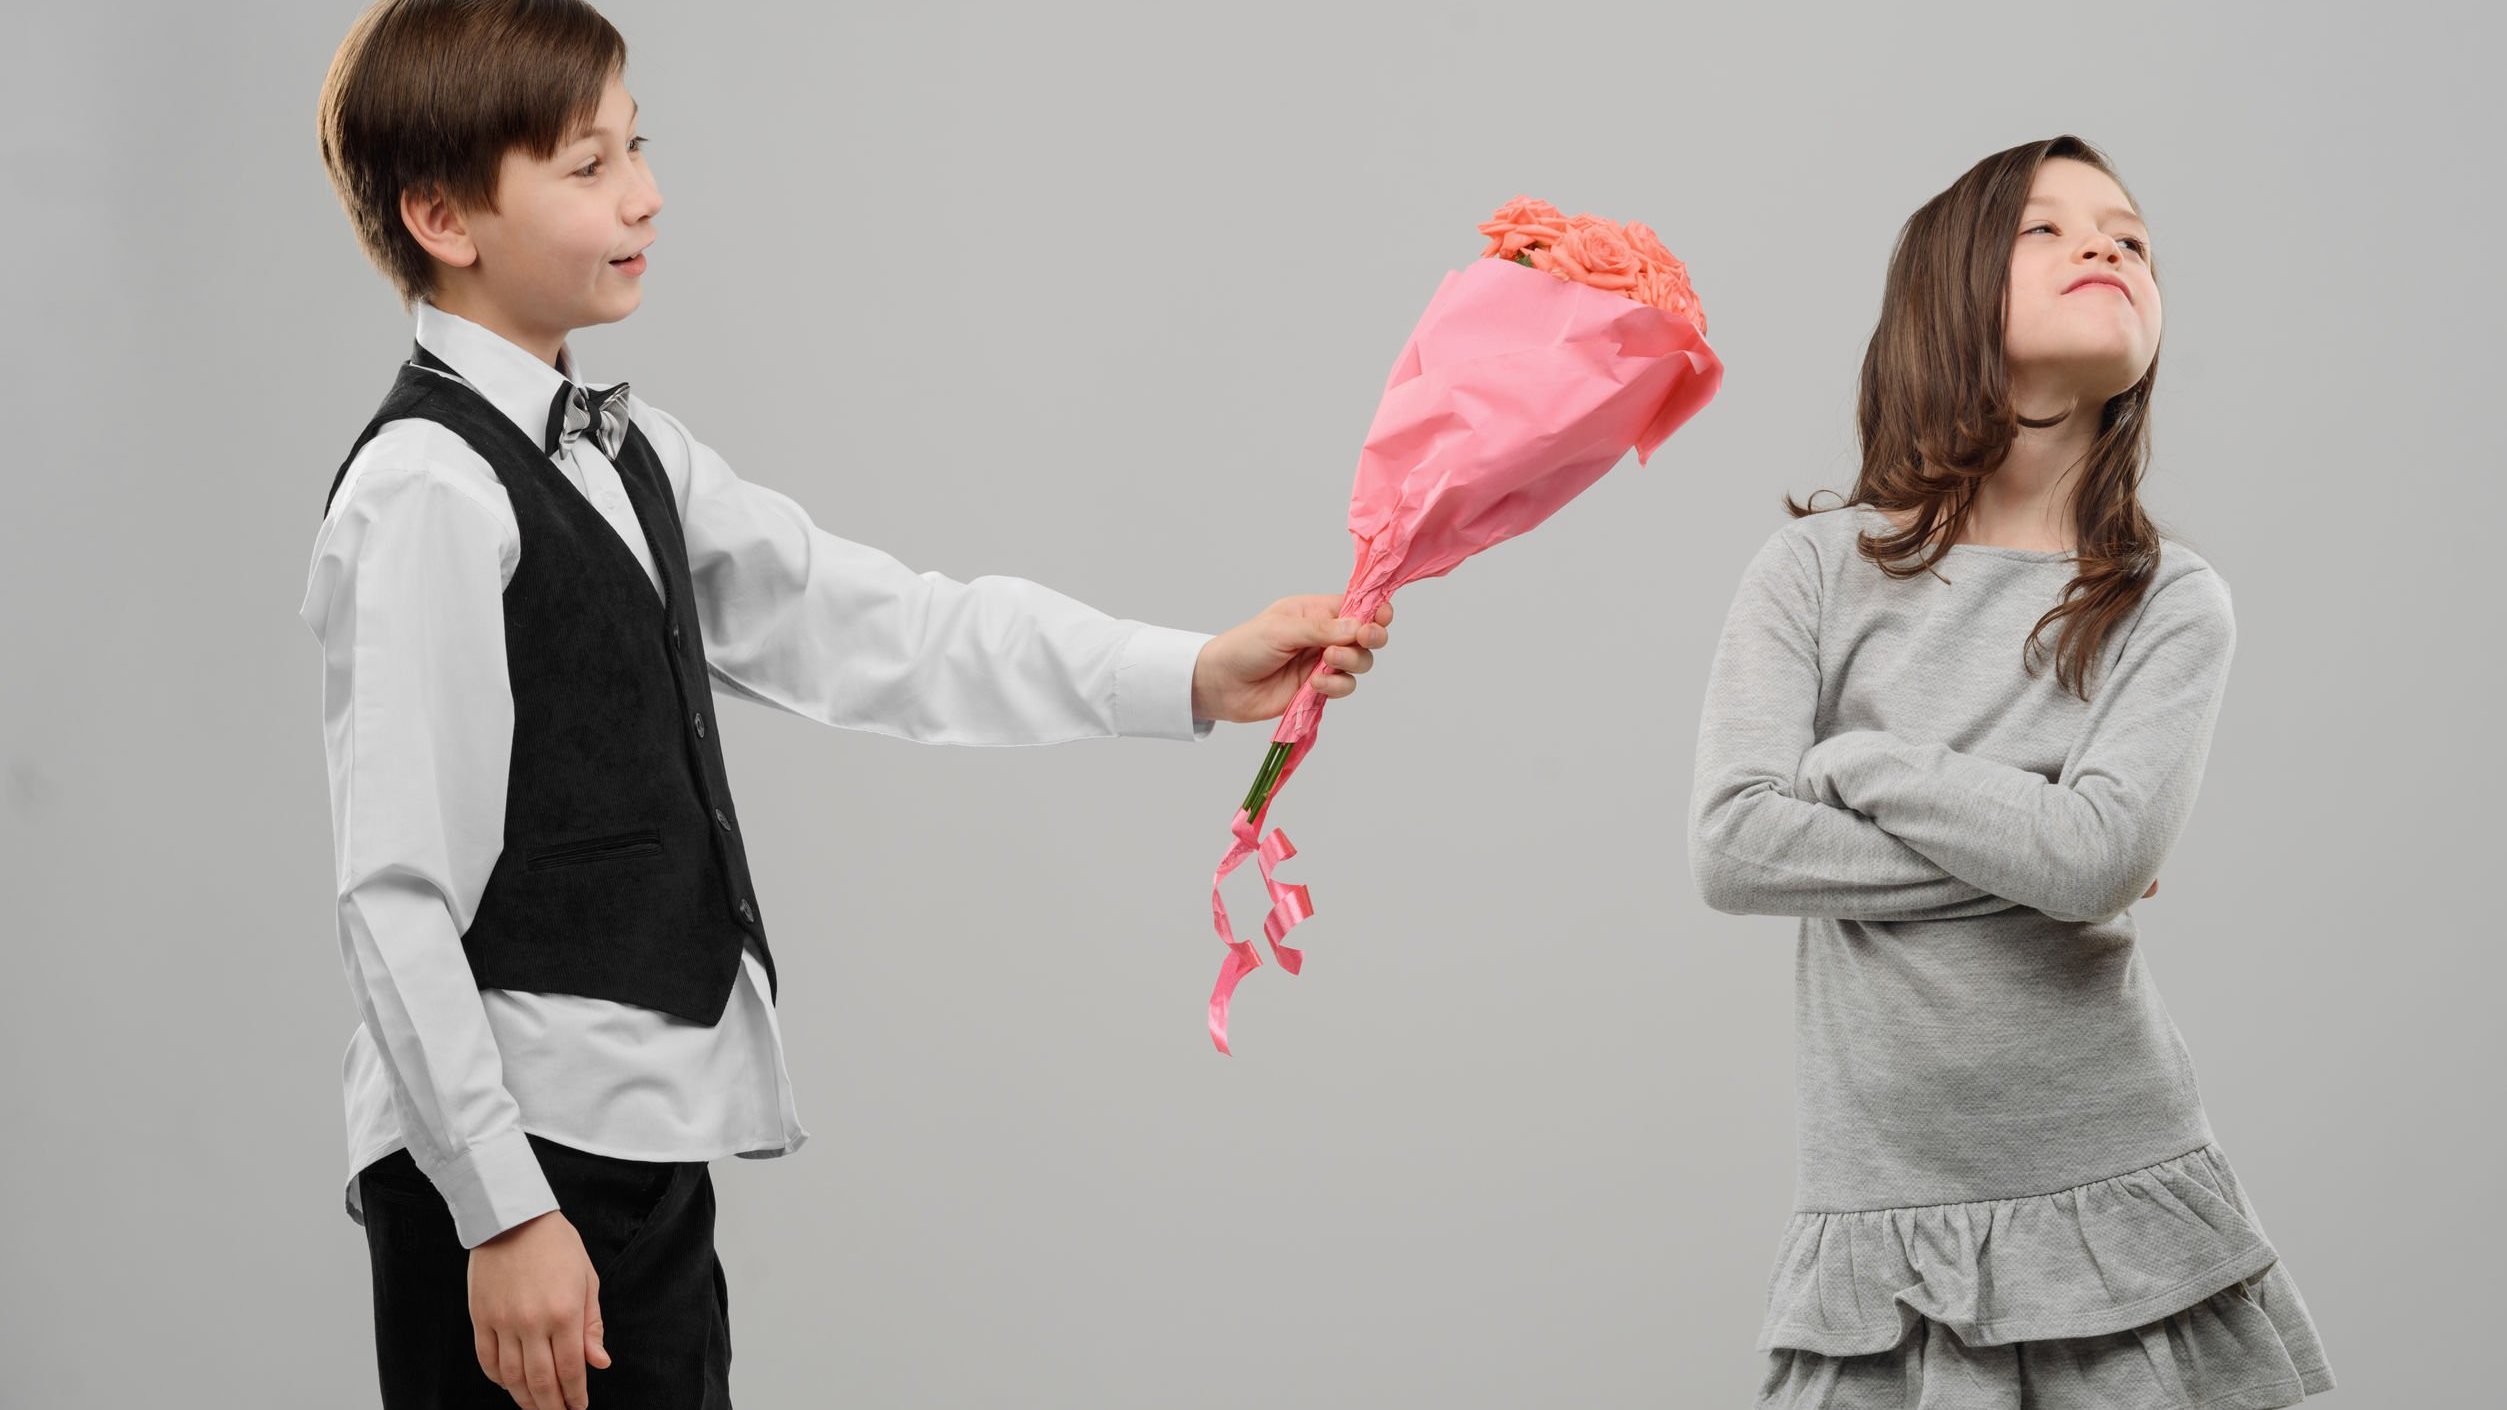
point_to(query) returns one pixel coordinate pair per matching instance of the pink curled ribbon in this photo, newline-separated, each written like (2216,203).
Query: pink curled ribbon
(1369,588)
(1290,905)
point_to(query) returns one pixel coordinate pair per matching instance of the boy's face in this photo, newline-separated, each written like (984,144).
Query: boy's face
(564,248)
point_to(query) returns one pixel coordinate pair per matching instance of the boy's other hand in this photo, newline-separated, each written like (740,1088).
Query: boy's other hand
(1252,670)
(535,1313)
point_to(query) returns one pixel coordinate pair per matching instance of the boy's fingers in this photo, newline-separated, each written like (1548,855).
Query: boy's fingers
(595,1350)
(509,1366)
(541,1357)
(1303,633)
(567,1346)
(1325,631)
(539,1373)
(1316,621)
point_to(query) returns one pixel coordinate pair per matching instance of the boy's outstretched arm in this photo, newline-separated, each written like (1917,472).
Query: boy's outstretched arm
(836,631)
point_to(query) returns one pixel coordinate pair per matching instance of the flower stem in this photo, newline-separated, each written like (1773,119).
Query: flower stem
(1266,778)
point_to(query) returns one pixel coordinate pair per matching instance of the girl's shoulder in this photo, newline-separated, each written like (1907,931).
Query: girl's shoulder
(1830,536)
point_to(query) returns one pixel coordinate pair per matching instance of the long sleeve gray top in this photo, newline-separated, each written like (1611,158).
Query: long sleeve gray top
(1998,1123)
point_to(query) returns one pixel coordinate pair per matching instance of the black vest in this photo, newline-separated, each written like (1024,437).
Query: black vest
(623,875)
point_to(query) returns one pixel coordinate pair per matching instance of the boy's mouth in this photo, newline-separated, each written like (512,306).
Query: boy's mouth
(632,264)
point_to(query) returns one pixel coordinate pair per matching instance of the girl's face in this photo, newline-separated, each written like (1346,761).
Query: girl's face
(2064,337)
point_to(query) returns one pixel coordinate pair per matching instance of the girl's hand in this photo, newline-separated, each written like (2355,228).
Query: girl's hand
(1252,670)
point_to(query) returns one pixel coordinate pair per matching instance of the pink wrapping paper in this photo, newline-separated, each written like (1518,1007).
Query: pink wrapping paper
(1515,391)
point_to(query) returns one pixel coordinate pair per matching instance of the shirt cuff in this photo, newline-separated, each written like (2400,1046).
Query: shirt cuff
(494,1186)
(1153,684)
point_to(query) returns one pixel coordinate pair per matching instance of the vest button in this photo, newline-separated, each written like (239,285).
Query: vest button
(674,632)
(700,724)
(723,821)
(745,913)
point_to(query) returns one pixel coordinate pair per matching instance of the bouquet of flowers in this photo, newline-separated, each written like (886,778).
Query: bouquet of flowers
(1532,371)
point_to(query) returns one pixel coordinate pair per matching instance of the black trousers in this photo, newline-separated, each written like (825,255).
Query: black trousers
(648,1227)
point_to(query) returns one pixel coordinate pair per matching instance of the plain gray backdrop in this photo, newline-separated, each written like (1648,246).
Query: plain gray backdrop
(1103,297)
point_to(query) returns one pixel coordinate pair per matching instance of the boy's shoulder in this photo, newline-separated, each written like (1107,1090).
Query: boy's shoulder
(669,435)
(415,448)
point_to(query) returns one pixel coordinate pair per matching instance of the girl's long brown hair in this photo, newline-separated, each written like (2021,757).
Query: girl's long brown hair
(1935,417)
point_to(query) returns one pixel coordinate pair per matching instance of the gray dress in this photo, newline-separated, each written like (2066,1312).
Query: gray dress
(2007,1190)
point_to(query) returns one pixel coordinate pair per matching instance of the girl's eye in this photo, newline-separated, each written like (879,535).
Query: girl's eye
(2139,246)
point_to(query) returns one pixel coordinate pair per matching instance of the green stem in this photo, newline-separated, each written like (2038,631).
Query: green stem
(1266,778)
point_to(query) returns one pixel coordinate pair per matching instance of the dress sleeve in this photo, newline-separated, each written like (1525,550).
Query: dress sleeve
(2084,846)
(799,619)
(406,599)
(1754,847)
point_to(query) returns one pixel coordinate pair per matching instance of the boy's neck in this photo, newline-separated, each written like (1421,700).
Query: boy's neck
(544,344)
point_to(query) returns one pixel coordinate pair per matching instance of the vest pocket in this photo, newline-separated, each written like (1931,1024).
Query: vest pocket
(597,849)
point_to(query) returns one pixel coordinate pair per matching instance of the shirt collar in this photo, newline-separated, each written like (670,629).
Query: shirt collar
(513,381)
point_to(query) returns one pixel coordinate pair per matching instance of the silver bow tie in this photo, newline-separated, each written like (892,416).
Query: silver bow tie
(580,411)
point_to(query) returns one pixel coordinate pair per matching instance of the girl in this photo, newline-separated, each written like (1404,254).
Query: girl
(2008,1193)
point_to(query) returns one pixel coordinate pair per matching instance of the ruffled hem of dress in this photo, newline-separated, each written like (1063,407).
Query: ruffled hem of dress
(2096,1258)
(2249,1346)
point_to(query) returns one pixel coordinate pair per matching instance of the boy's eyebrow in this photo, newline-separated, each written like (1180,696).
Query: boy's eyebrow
(2036,201)
(633,108)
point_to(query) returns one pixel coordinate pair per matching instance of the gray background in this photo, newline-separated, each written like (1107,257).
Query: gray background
(1103,297)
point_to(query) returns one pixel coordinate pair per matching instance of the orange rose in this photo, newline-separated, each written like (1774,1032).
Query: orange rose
(1669,291)
(1596,251)
(1650,248)
(1521,222)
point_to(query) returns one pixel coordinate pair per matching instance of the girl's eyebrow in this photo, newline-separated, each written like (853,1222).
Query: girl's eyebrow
(2035,201)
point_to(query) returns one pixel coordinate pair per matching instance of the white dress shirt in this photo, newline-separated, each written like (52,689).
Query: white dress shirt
(405,596)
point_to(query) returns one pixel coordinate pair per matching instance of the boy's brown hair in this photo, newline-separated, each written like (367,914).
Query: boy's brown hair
(431,94)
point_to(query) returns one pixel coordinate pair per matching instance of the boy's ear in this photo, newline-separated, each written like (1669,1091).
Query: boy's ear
(438,225)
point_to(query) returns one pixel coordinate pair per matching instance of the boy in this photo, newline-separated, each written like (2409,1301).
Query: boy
(524,588)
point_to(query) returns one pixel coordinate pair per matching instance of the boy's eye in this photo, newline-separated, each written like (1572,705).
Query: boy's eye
(2139,246)
(634,144)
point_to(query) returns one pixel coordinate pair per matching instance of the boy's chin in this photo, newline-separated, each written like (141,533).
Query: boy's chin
(612,309)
